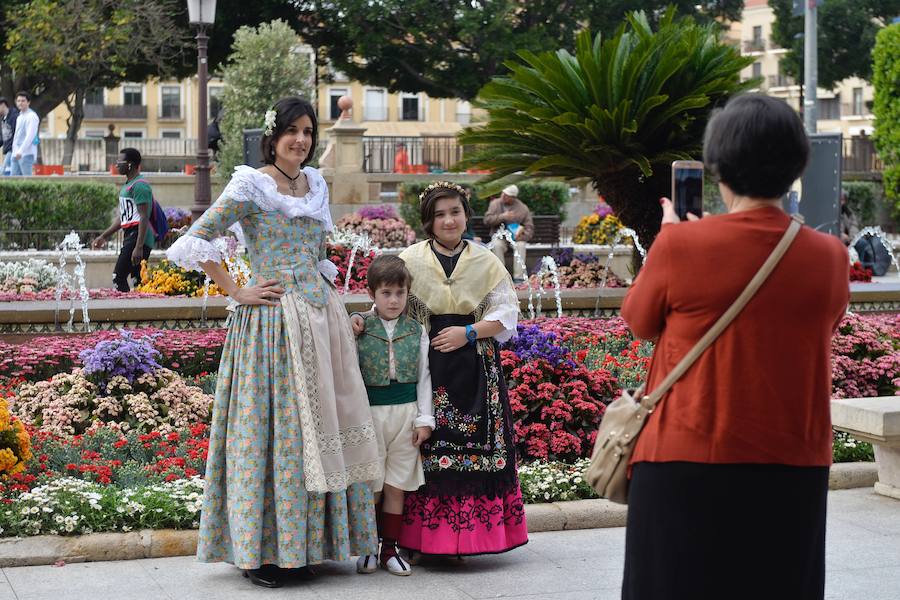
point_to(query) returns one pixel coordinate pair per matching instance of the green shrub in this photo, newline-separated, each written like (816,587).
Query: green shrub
(58,205)
(863,197)
(886,79)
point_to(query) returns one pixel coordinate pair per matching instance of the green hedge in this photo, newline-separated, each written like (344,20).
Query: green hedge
(38,205)
(542,197)
(864,197)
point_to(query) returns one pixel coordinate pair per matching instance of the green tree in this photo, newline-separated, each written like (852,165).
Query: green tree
(451,48)
(886,78)
(264,66)
(846,35)
(111,41)
(619,112)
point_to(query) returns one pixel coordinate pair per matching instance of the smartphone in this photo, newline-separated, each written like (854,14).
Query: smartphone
(687,187)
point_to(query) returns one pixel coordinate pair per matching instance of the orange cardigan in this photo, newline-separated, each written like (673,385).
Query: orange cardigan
(761,392)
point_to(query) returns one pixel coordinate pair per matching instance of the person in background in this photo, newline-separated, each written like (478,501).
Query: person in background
(729,477)
(25,138)
(135,204)
(401,159)
(8,116)
(510,212)
(848,220)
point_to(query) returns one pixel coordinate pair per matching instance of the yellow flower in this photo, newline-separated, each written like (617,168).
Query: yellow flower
(8,460)
(4,415)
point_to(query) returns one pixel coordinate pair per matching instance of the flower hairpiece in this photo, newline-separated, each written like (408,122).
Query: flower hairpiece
(270,121)
(444,185)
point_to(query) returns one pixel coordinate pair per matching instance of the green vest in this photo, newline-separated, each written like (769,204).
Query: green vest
(374,354)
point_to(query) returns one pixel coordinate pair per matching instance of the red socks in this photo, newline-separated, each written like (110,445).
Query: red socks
(389,531)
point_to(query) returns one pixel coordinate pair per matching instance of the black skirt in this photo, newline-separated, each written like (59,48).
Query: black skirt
(725,532)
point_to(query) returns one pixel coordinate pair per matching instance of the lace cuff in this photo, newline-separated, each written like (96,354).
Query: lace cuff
(189,251)
(503,306)
(328,270)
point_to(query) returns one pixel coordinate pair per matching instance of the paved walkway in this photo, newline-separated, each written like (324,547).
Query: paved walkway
(863,561)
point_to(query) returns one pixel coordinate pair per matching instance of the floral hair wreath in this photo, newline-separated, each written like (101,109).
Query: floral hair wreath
(270,121)
(445,185)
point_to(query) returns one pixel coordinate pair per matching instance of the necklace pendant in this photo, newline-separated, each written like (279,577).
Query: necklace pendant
(448,281)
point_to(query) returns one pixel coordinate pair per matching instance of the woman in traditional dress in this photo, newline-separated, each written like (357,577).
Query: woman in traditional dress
(471,502)
(292,440)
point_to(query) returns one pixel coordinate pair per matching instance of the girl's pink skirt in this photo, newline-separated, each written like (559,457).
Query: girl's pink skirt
(463,525)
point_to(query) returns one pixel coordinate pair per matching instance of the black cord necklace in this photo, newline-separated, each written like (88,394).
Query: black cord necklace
(292,181)
(452,250)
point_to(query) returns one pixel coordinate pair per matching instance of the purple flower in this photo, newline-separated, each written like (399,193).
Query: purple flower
(126,356)
(603,209)
(384,211)
(532,343)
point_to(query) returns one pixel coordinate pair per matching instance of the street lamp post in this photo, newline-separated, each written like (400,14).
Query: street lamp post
(201,14)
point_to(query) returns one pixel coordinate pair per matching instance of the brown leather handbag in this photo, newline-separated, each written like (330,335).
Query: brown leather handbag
(625,417)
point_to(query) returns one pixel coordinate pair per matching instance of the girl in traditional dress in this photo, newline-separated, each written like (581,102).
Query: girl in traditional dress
(292,440)
(471,502)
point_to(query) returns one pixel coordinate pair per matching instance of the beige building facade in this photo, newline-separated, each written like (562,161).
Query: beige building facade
(847,108)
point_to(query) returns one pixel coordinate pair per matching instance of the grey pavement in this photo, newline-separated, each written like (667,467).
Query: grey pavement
(863,561)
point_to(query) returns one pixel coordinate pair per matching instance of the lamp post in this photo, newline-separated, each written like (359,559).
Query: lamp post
(201,14)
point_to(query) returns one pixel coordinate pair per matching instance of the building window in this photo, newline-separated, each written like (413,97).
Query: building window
(757,35)
(334,95)
(94,96)
(829,108)
(133,133)
(170,134)
(757,70)
(376,105)
(463,112)
(133,95)
(170,107)
(410,107)
(214,94)
(94,134)
(858,106)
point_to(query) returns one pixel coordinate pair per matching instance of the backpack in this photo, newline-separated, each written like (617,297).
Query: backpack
(873,255)
(158,220)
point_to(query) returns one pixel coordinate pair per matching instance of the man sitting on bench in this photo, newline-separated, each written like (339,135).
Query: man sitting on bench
(510,212)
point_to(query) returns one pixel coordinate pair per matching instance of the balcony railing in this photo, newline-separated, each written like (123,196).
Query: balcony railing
(113,111)
(754,45)
(781,81)
(426,154)
(859,156)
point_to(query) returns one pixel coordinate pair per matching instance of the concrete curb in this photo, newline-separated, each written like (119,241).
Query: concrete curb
(149,543)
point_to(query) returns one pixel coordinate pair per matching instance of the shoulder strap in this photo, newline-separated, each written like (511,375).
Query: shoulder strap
(650,400)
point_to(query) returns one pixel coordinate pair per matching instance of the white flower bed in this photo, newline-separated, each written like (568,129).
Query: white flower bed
(554,481)
(69,506)
(32,275)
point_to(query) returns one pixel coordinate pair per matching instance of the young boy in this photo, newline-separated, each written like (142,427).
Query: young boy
(393,358)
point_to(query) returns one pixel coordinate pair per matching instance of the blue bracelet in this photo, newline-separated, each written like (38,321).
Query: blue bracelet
(471,335)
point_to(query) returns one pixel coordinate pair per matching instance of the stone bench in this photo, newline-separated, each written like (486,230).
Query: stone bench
(877,421)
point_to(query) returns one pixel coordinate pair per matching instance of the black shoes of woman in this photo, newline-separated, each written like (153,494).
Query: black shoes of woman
(271,576)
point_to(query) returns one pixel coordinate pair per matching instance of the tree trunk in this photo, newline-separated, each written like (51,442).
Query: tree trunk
(635,200)
(76,116)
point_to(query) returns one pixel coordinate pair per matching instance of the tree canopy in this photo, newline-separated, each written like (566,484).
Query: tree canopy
(887,108)
(451,48)
(846,36)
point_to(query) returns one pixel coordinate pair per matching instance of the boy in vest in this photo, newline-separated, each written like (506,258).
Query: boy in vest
(393,358)
(135,204)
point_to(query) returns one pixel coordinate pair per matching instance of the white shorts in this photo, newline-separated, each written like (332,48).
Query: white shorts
(394,429)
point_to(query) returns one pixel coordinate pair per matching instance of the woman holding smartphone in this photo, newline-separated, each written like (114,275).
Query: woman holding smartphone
(730,475)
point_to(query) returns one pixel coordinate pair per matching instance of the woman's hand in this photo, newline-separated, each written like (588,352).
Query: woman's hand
(450,339)
(358,324)
(669,215)
(265,293)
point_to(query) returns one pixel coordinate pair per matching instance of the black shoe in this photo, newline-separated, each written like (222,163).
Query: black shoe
(266,576)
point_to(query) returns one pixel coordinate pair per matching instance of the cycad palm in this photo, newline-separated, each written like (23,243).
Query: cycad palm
(618,112)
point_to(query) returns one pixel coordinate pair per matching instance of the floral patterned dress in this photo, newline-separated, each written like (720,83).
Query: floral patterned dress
(292,442)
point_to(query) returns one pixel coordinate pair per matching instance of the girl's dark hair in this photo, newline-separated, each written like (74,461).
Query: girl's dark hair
(287,110)
(388,269)
(430,198)
(756,145)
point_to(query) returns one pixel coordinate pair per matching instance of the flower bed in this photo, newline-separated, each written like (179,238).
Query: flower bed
(27,277)
(382,226)
(188,352)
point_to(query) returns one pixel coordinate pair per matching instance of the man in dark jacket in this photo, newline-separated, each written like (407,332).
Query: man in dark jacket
(8,116)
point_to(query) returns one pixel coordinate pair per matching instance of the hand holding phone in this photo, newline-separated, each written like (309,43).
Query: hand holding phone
(687,188)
